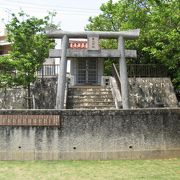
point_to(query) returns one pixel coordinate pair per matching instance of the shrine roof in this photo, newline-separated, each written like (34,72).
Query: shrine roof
(75,44)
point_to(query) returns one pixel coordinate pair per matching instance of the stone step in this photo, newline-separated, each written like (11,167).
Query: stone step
(89,93)
(89,87)
(89,90)
(111,103)
(92,107)
(70,100)
(89,96)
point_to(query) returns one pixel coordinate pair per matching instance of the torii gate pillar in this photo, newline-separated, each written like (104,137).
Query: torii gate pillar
(123,74)
(62,75)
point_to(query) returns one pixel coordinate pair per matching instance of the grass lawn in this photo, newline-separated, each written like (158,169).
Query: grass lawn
(123,169)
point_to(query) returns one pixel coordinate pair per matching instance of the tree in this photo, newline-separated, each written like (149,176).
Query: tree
(30,47)
(159,21)
(7,71)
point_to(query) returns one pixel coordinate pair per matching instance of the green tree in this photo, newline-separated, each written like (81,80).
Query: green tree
(30,47)
(159,21)
(7,71)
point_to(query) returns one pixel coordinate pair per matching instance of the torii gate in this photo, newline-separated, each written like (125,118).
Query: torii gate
(66,52)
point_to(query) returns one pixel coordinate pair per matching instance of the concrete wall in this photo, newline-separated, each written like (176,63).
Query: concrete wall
(94,134)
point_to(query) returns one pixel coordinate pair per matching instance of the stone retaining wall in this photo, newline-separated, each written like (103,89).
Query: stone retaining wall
(151,93)
(144,93)
(43,95)
(93,134)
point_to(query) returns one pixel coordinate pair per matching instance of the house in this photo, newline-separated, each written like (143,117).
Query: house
(5,46)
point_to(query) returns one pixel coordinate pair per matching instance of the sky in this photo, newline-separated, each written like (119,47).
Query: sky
(72,15)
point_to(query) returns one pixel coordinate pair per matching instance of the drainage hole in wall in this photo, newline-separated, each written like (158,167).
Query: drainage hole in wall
(130,147)
(19,147)
(74,147)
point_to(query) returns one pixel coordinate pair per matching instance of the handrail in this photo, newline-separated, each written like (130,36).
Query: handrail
(115,73)
(66,92)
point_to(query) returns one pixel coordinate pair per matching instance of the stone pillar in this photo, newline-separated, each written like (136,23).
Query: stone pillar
(62,75)
(123,74)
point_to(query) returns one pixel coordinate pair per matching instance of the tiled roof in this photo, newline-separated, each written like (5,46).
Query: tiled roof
(78,44)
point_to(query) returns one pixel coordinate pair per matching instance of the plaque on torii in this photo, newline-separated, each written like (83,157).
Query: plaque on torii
(93,43)
(93,51)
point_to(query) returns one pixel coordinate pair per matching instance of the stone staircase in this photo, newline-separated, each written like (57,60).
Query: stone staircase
(90,97)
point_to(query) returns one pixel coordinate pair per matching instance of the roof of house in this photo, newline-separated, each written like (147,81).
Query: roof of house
(3,41)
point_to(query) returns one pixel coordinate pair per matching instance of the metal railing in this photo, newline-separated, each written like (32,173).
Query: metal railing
(48,70)
(146,70)
(116,75)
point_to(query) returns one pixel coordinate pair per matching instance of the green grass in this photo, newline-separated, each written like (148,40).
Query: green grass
(84,170)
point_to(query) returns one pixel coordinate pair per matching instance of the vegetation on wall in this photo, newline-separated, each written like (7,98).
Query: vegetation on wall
(159,21)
